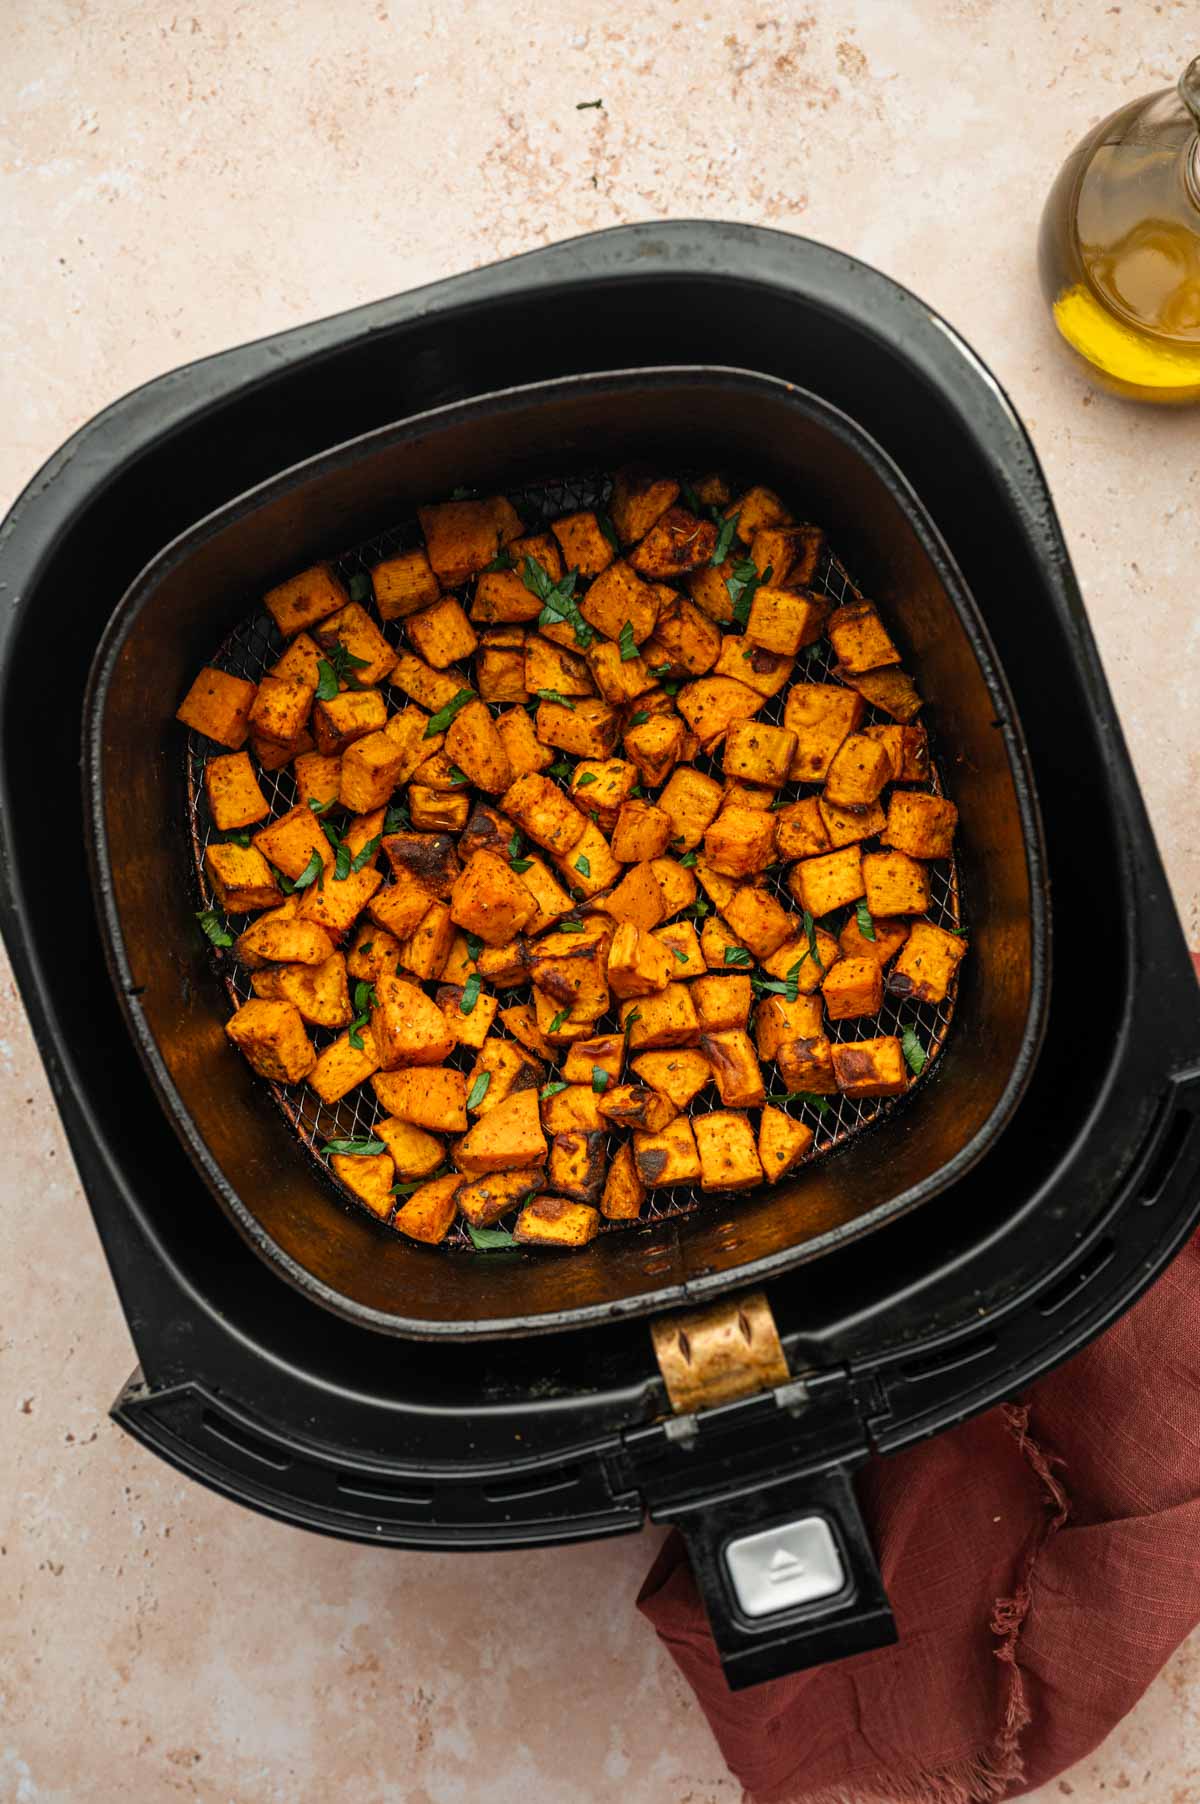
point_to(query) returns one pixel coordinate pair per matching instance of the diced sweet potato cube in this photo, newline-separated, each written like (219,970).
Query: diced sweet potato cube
(728,1156)
(436,812)
(353,628)
(854,987)
(600,786)
(706,587)
(753,666)
(637,1106)
(638,965)
(428,1214)
(556,1221)
(487,830)
(589,866)
(807,1064)
(218,705)
(637,898)
(891,690)
(526,753)
(503,966)
(668,1157)
(508,1136)
(370,771)
(783,620)
(543,813)
(576,1107)
(858,771)
(570,968)
(640,497)
(441,634)
(823,884)
(894,884)
(605,1053)
(721,1001)
(301,662)
(719,888)
(667,1019)
(890,935)
(521,1022)
(575,1168)
(759,507)
(589,728)
(428,860)
(484,1201)
(302,600)
(677,884)
(504,597)
(739,842)
(500,665)
(791,553)
(431,689)
(344,718)
(584,546)
(272,1036)
(758,920)
(870,1067)
(730,1052)
(428,1097)
(490,900)
(624,1192)
(410,730)
(757,753)
(850,826)
(777,1022)
(400,908)
(679,1075)
(440,772)
(369,1177)
(364,836)
(782,1143)
(560,1023)
(550,899)
(408,1026)
(620,598)
(317,779)
(290,842)
(469,1028)
(273,756)
(425,950)
(927,964)
(415,1153)
(860,639)
(738,794)
(282,937)
(713,704)
(320,992)
(907,749)
(796,954)
(241,878)
(800,832)
(822,716)
(676,543)
(234,797)
(654,747)
(678,938)
(620,680)
(921,825)
(716,941)
(474,745)
(342,1066)
(691,801)
(403,584)
(462,536)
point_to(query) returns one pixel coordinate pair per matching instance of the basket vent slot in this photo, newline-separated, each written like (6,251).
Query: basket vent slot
(1080,1275)
(245,1441)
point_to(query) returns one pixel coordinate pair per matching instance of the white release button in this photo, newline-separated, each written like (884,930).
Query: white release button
(779,1568)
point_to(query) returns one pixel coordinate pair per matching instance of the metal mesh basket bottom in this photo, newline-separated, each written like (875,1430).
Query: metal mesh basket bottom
(256,643)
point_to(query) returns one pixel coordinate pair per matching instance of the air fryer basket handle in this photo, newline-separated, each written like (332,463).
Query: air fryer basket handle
(788,1576)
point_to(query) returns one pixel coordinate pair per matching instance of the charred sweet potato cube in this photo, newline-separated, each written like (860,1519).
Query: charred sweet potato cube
(487,830)
(678,938)
(576,1107)
(462,536)
(604,1053)
(571,970)
(890,935)
(342,1066)
(740,842)
(907,749)
(921,825)
(441,634)
(521,1021)
(927,964)
(219,706)
(404,583)
(470,1028)
(241,878)
(791,553)
(500,665)
(891,690)
(800,831)
(484,1201)
(692,801)
(895,884)
(272,1036)
(289,842)
(234,797)
(728,1156)
(870,1067)
(584,546)
(757,753)
(758,508)
(526,753)
(713,704)
(637,898)
(666,1019)
(543,813)
(643,831)
(590,866)
(551,901)
(783,620)
(506,1138)
(638,965)
(435,811)
(758,919)
(857,773)
(474,745)
(415,1153)
(624,1192)
(575,1167)
(428,1214)
(317,779)
(408,1026)
(853,987)
(619,598)
(320,992)
(489,899)
(369,1177)
(782,1143)
(716,941)
(425,950)
(850,826)
(777,1022)
(556,1221)
(640,497)
(721,1001)
(620,680)
(430,1096)
(668,1157)
(353,628)
(708,593)
(677,884)
(676,543)
(431,689)
(344,718)
(678,1074)
(860,639)
(807,1064)
(766,672)
(822,716)
(370,771)
(823,884)
(508,1068)
(303,600)
(730,1052)
(637,1106)
(428,861)
(503,966)
(654,747)
(686,638)
(282,937)
(589,728)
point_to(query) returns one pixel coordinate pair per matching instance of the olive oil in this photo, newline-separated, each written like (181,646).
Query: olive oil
(1119,251)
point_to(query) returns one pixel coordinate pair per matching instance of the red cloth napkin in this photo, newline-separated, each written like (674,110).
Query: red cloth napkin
(1043,1561)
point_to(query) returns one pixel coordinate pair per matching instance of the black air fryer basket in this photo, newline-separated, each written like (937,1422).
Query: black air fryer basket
(1026,1241)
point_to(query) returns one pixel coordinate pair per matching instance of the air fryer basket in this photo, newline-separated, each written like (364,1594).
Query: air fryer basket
(182,605)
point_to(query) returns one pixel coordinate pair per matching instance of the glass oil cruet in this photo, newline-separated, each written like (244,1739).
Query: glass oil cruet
(1119,251)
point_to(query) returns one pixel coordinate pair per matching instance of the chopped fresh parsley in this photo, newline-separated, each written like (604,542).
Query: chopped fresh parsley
(214,928)
(681,956)
(474,947)
(583,865)
(583,106)
(561,769)
(741,585)
(458,776)
(634,1015)
(914,1053)
(320,808)
(357,1149)
(549,1090)
(515,860)
(360,586)
(737,955)
(552,695)
(724,540)
(810,929)
(788,988)
(437,723)
(479,1089)
(362,859)
(562,1015)
(313,869)
(460,494)
(805,1096)
(608,529)
(689,859)
(690,497)
(490,1240)
(397,819)
(639,719)
(599,1078)
(503,560)
(470,995)
(364,1002)
(584,778)
(627,643)
(557,599)
(565,926)
(866,925)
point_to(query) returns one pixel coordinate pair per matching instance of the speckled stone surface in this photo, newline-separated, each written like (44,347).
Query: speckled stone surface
(178,178)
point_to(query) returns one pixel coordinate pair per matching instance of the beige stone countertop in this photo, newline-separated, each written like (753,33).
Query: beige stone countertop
(183,175)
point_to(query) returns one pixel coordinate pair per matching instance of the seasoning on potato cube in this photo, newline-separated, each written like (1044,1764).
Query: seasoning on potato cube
(821,715)
(800,831)
(441,634)
(617,599)
(291,842)
(370,770)
(679,939)
(584,546)
(740,842)
(281,937)
(643,831)
(678,1074)
(758,508)
(556,1221)
(927,964)
(757,753)
(890,689)
(638,898)
(676,543)
(305,599)
(428,1214)
(823,884)
(599,786)
(654,747)
(436,812)
(637,1106)
(640,496)
(428,1097)
(353,629)
(807,1064)
(575,1168)
(782,1143)
(751,666)
(571,968)
(907,749)
(686,638)
(791,553)
(860,639)
(577,1108)
(317,779)
(543,813)
(507,1068)
(272,1036)
(722,1001)
(606,1053)
(551,901)
(783,620)
(850,826)
(667,1019)
(889,934)
(462,536)
(241,878)
(758,920)
(895,884)
(320,992)
(728,1156)
(854,987)
(509,1136)
(484,1201)
(795,956)
(500,666)
(218,705)
(404,583)
(589,728)
(408,1026)
(921,825)
(870,1067)
(713,704)
(425,950)
(234,797)
(637,964)
(344,718)
(342,1066)
(526,753)
(415,1153)
(476,748)
(735,1068)
(489,899)
(624,1192)
(691,800)
(369,1177)
(669,1157)
(858,772)
(431,689)
(778,1022)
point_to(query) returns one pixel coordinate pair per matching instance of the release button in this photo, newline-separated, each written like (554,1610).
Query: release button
(781,1567)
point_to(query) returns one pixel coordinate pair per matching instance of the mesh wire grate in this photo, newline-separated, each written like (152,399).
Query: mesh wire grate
(256,643)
